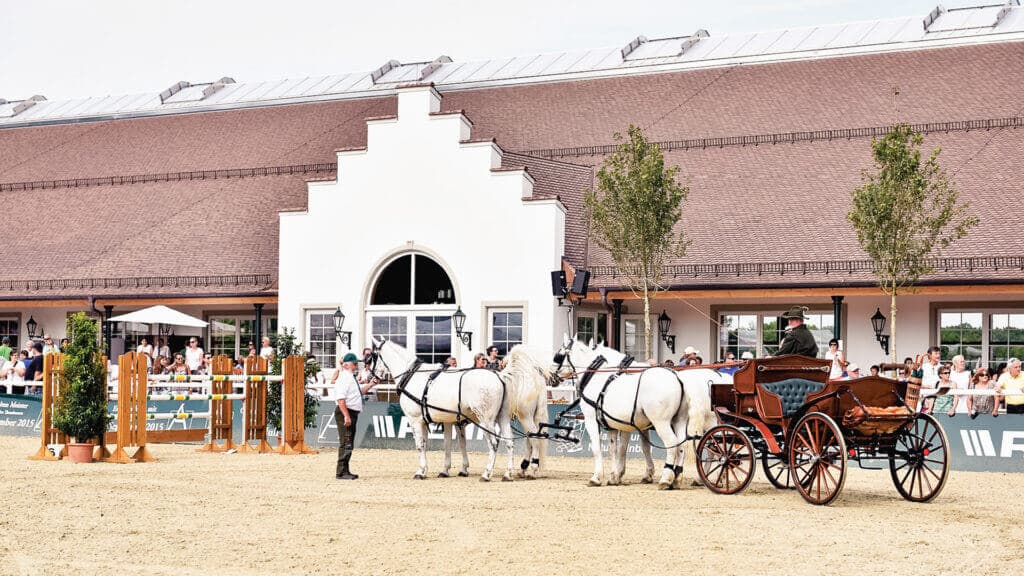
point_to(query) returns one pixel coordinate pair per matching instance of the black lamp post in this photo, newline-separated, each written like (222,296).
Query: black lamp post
(339,323)
(878,324)
(31,325)
(459,319)
(664,323)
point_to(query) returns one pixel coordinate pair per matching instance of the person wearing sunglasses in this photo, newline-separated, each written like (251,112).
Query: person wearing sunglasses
(944,402)
(982,404)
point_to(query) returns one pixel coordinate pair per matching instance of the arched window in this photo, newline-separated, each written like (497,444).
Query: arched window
(411,304)
(412,279)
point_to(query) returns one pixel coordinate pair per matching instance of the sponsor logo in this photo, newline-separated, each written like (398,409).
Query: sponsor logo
(398,427)
(979,443)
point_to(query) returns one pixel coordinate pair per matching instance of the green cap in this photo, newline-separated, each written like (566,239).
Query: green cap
(350,357)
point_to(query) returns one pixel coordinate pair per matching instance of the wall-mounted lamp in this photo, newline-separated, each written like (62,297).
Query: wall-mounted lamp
(339,323)
(878,324)
(31,325)
(459,319)
(664,323)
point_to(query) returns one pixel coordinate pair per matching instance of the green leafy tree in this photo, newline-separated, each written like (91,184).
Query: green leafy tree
(288,345)
(905,211)
(633,214)
(82,411)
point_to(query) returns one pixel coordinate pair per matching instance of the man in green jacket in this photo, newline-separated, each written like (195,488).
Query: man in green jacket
(798,339)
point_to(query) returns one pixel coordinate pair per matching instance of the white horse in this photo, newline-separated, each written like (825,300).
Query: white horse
(527,377)
(479,396)
(635,402)
(701,417)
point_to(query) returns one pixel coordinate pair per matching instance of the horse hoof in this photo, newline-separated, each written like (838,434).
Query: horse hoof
(593,483)
(463,474)
(485,479)
(442,475)
(507,478)
(663,486)
(419,477)
(647,480)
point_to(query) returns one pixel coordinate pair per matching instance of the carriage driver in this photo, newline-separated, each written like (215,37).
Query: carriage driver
(798,339)
(349,395)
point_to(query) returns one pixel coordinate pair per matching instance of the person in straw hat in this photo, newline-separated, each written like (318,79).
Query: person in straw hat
(798,339)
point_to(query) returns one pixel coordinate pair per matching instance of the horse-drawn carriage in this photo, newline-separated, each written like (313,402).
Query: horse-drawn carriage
(805,429)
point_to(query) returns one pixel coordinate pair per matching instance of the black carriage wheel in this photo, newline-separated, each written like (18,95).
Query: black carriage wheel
(817,458)
(919,462)
(776,469)
(725,460)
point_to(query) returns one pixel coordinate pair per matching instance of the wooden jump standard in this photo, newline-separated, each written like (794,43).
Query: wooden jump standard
(132,414)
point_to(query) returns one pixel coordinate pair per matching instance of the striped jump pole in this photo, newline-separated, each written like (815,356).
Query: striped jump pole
(176,415)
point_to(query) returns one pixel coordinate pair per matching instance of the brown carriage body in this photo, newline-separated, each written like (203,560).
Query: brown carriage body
(775,405)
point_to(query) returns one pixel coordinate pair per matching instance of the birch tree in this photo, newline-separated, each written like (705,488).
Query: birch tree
(905,212)
(633,213)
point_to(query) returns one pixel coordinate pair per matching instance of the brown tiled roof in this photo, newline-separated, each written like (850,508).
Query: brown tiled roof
(129,205)
(788,203)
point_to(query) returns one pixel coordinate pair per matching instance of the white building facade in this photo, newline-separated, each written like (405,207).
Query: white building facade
(420,223)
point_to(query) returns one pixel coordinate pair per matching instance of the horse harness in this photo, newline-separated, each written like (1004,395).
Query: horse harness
(423,402)
(598,404)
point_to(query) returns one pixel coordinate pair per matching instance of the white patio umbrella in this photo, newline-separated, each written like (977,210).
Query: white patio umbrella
(160,315)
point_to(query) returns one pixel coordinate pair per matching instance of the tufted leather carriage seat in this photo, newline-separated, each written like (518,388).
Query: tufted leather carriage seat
(793,392)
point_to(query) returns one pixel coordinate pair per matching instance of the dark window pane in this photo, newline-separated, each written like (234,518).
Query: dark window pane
(394,283)
(432,283)
(515,333)
(500,318)
(515,318)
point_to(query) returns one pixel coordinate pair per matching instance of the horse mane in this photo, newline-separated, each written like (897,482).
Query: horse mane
(527,376)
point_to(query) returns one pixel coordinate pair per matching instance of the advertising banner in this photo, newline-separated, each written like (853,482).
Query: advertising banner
(984,444)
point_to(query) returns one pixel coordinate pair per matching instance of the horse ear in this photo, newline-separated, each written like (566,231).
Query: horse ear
(600,342)
(566,341)
(592,345)
(377,342)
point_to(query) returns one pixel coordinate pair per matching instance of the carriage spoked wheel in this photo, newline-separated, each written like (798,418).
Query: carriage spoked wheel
(725,460)
(919,462)
(817,458)
(776,469)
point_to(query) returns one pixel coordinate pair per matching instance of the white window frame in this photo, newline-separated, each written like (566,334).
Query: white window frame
(489,318)
(238,318)
(986,324)
(639,318)
(307,340)
(761,316)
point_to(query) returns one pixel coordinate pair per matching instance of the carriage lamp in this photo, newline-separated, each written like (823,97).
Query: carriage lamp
(459,319)
(339,323)
(877,324)
(664,323)
(31,325)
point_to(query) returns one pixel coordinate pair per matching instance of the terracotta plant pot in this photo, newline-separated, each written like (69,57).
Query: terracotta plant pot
(80,453)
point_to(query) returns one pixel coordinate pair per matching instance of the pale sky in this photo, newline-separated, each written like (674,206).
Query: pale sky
(67,49)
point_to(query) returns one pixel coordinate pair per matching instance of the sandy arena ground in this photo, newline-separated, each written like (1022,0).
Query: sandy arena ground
(239,514)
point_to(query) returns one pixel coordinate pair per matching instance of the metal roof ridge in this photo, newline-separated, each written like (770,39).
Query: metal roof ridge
(532,68)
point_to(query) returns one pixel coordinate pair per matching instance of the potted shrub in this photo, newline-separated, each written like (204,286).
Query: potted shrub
(81,413)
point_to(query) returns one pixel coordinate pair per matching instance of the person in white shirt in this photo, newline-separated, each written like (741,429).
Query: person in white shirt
(145,348)
(194,356)
(266,350)
(960,376)
(349,396)
(930,374)
(838,361)
(852,372)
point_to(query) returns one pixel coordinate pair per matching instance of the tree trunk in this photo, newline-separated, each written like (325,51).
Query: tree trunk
(892,328)
(647,323)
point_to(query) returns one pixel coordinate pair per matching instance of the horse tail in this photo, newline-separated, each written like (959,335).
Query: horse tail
(700,414)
